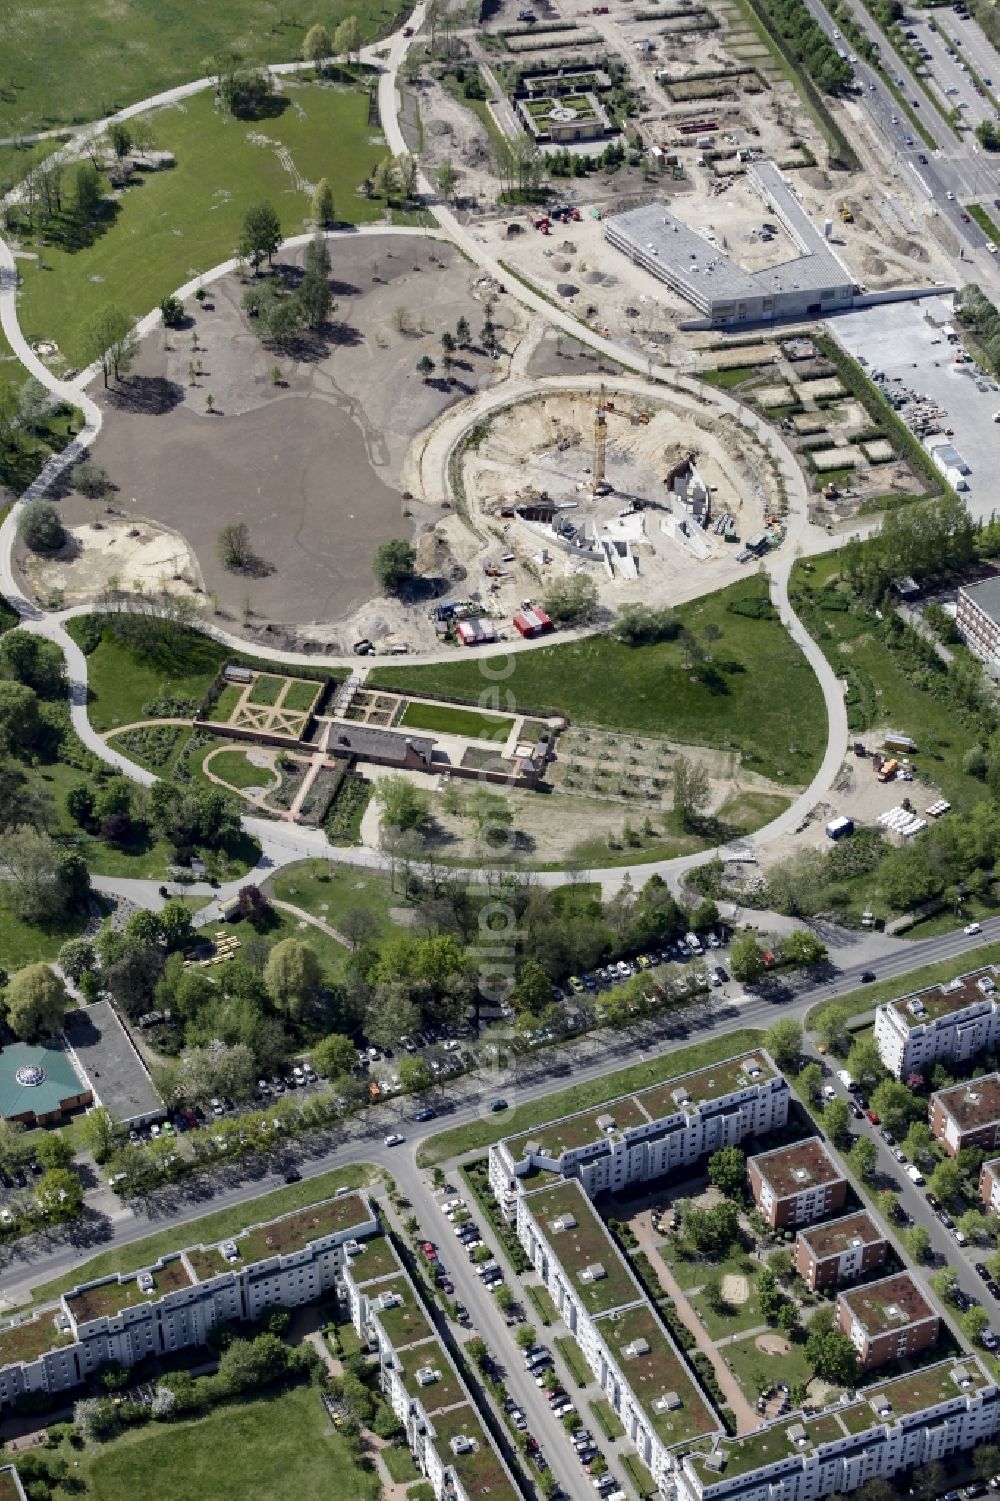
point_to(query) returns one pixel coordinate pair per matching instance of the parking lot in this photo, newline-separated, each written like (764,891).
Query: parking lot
(905,340)
(947,64)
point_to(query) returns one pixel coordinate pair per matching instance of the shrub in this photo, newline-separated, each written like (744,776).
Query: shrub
(40,527)
(172,312)
(90,479)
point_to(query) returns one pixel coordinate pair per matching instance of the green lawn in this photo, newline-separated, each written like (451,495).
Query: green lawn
(222,709)
(65,64)
(301,695)
(208,1229)
(881,687)
(747,1362)
(454,721)
(265,689)
(234,767)
(867,997)
(985,221)
(690,1274)
(607,1419)
(121,680)
(24,943)
(281,925)
(746,811)
(276,1445)
(639,1475)
(573,1358)
(542,1300)
(736,1318)
(729,376)
(399,1463)
(176,223)
(328,891)
(756,694)
(584,1096)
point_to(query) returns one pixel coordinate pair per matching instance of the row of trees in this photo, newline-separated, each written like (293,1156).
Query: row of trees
(981,317)
(283,316)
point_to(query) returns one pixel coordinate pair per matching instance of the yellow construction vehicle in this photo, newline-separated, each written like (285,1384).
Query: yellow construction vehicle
(846,213)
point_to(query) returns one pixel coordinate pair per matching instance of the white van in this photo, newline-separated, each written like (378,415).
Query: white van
(914,1174)
(694,943)
(845,1078)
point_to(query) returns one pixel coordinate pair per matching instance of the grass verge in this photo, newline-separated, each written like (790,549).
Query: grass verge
(985,222)
(479,1134)
(573,1360)
(606,1419)
(542,1300)
(208,1229)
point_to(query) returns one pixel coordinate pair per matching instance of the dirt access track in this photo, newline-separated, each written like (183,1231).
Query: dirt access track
(307,450)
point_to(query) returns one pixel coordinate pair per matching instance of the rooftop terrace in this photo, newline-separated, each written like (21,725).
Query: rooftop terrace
(972,1104)
(892,1303)
(376,1258)
(285,1235)
(657,1372)
(405,1322)
(905,1395)
(105,1299)
(791,1170)
(657,1103)
(836,1236)
(582,1247)
(29,1340)
(481,1471)
(939,1001)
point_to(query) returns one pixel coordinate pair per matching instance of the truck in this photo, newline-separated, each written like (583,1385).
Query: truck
(914,1174)
(845,1079)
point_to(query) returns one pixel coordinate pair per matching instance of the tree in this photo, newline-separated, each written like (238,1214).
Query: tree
(986,1461)
(864,1063)
(54,1150)
(864,1158)
(102,1134)
(727,1169)
(40,528)
(746,959)
(918,1242)
(896,1106)
(292,975)
(314,297)
(403,805)
(317,47)
(945,1283)
(769,1299)
(917,1145)
(414,1075)
(112,341)
(95,1418)
(393,564)
(477,1351)
(334,1054)
(261,235)
(322,203)
(784,1043)
(930,1480)
(121,138)
(811,1081)
(804,949)
(425,366)
(833,1357)
(446,178)
(59,1195)
(946,1182)
(76,956)
(36,1002)
(975,1321)
(691,792)
(233,546)
(572,600)
(172,312)
(837,1121)
(462,332)
(640,625)
(533,991)
(346,38)
(831,1027)
(19,719)
(90,479)
(40,877)
(175,926)
(87,195)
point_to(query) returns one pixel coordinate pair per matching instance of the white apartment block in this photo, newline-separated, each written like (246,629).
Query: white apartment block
(900,1424)
(957,1020)
(646,1135)
(421,1384)
(175,1304)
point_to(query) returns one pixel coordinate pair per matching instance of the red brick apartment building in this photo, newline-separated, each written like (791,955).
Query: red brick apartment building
(798,1184)
(887,1320)
(989,1185)
(968,1115)
(839,1250)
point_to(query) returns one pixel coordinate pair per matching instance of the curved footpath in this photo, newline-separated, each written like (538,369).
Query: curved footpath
(282,844)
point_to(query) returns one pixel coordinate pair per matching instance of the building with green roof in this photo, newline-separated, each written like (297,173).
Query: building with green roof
(40,1083)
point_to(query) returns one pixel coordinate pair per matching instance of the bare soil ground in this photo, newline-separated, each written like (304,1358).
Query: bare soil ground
(306,450)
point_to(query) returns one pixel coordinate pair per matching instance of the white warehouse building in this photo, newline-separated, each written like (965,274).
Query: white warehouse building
(956,1020)
(816,282)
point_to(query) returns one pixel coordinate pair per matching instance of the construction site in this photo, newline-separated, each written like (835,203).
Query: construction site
(640,495)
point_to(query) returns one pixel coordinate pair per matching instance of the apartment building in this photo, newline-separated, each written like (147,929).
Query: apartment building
(898,1425)
(644,1377)
(11,1488)
(839,1251)
(956,1020)
(646,1135)
(887,1320)
(175,1304)
(421,1384)
(989,1185)
(977,616)
(798,1184)
(967,1115)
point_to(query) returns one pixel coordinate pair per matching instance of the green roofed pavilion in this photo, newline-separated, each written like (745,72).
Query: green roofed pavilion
(38,1083)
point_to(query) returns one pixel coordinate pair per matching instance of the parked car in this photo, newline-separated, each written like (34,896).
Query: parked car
(873,1116)
(394,1139)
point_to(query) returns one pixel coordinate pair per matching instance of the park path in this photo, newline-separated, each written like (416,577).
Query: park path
(660,380)
(141,724)
(309,917)
(746,1414)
